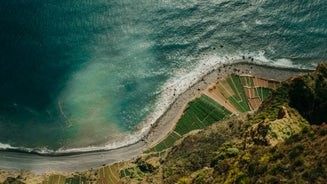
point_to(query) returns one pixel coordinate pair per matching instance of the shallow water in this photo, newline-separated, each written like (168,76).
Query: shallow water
(90,73)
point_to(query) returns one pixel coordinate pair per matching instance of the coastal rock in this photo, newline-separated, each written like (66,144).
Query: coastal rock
(283,113)
(308,94)
(273,132)
(258,133)
(321,69)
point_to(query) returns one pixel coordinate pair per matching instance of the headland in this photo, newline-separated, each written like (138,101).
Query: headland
(81,161)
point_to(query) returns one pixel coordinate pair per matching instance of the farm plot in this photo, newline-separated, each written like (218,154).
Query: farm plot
(109,174)
(55,179)
(255,103)
(263,93)
(77,180)
(250,92)
(273,84)
(238,100)
(247,81)
(199,114)
(236,93)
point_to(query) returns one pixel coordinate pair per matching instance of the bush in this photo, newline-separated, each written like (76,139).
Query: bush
(298,162)
(232,152)
(296,151)
(199,179)
(242,178)
(183,180)
(276,169)
(322,132)
(294,138)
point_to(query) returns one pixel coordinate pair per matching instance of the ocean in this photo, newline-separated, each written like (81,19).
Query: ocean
(95,74)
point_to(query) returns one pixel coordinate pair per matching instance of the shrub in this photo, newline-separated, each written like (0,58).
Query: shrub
(232,152)
(322,132)
(296,151)
(183,180)
(294,138)
(242,178)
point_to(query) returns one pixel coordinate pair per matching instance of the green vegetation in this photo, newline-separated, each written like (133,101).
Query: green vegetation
(75,180)
(301,159)
(228,152)
(270,108)
(247,81)
(238,100)
(166,143)
(263,92)
(56,179)
(308,94)
(199,114)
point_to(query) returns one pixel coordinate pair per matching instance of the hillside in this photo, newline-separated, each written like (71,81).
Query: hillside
(274,145)
(242,129)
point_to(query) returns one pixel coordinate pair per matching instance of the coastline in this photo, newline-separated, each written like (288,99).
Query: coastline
(165,123)
(168,120)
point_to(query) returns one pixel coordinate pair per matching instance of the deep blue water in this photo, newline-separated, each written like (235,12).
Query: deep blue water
(85,72)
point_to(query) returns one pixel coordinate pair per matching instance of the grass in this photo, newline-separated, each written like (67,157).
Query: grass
(236,104)
(199,114)
(166,143)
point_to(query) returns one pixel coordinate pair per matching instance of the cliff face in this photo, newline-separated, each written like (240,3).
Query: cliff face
(283,142)
(308,94)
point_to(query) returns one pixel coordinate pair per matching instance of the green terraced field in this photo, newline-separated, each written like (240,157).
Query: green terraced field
(166,143)
(55,179)
(199,114)
(263,93)
(238,100)
(75,180)
(247,81)
(204,111)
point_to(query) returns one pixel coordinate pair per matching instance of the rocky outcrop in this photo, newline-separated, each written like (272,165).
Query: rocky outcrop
(270,133)
(308,94)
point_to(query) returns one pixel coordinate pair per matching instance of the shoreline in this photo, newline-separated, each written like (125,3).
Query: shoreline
(70,161)
(167,121)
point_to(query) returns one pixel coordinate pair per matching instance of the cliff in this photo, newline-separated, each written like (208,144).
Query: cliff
(283,142)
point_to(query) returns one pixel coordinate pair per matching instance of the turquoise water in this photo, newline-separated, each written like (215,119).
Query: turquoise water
(77,74)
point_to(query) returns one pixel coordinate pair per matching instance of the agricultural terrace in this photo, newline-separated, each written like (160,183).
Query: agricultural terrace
(229,96)
(199,114)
